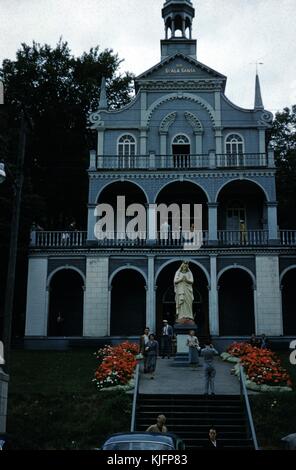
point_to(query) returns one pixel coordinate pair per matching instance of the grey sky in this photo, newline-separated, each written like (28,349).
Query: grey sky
(231,34)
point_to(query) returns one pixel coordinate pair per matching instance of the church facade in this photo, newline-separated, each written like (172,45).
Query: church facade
(179,141)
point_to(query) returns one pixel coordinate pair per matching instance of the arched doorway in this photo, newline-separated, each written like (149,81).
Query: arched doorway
(288,302)
(165,297)
(128,303)
(66,292)
(183,192)
(242,208)
(236,303)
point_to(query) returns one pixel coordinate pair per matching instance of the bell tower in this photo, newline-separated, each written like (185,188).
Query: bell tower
(178,17)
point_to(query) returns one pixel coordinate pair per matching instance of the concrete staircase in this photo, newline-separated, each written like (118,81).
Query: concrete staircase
(191,416)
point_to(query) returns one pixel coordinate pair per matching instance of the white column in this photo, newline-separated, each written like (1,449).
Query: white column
(262,145)
(272,221)
(213,221)
(36,316)
(198,143)
(143,142)
(100,148)
(163,149)
(152,222)
(96,297)
(91,221)
(219,140)
(213,300)
(150,305)
(268,296)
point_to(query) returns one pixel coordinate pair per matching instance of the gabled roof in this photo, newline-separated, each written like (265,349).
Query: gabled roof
(192,62)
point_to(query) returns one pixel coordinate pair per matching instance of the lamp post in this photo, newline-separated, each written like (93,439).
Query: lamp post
(14,231)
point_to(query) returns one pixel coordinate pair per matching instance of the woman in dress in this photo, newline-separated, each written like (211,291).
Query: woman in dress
(193,344)
(152,353)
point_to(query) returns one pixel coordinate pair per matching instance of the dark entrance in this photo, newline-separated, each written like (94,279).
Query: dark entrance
(236,303)
(66,304)
(128,303)
(181,155)
(165,298)
(288,302)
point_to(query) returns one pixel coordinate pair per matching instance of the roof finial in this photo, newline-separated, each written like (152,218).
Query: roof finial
(103,104)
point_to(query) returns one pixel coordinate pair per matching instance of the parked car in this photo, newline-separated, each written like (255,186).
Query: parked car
(143,441)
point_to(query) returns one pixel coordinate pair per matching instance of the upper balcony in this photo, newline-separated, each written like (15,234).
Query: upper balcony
(181,161)
(226,238)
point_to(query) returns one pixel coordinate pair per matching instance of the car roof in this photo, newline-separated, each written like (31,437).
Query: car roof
(140,436)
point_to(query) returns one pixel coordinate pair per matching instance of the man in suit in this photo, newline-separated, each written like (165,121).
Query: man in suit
(212,443)
(166,339)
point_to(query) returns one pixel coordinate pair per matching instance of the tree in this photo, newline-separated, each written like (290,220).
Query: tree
(57,91)
(283,139)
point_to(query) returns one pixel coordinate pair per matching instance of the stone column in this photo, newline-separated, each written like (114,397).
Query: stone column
(95,322)
(213,222)
(91,221)
(4,379)
(143,142)
(198,143)
(268,296)
(219,140)
(273,236)
(150,305)
(163,149)
(100,147)
(36,316)
(152,223)
(213,300)
(262,145)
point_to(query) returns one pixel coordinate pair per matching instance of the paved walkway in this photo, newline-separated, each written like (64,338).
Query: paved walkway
(187,381)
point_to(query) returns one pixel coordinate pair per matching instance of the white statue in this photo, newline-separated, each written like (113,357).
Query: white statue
(183,283)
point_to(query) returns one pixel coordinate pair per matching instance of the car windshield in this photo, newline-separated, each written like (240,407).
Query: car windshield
(137,446)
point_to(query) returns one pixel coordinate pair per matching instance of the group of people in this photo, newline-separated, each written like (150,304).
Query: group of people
(149,348)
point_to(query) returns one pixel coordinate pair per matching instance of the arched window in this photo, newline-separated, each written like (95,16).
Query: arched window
(181,140)
(126,150)
(234,150)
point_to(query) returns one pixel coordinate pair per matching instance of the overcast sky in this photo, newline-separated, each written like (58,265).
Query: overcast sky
(231,35)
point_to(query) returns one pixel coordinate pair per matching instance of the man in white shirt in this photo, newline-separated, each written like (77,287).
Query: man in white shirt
(166,339)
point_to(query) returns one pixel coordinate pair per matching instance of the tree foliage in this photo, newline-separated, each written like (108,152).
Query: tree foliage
(283,139)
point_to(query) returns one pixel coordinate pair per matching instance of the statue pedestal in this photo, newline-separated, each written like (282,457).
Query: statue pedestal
(182,331)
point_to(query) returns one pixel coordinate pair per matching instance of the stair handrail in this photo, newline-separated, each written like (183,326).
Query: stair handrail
(244,393)
(135,396)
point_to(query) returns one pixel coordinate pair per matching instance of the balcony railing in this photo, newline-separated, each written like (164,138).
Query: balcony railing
(242,160)
(180,162)
(243,238)
(61,239)
(288,237)
(73,239)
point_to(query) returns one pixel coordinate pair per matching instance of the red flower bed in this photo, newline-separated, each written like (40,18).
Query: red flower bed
(239,349)
(262,366)
(116,364)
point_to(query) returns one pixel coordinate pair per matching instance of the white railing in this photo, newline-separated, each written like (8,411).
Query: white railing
(247,237)
(60,239)
(179,238)
(242,160)
(288,237)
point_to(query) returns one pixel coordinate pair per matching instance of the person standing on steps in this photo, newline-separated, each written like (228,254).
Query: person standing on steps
(208,354)
(151,349)
(159,426)
(193,345)
(166,339)
(212,443)
(143,342)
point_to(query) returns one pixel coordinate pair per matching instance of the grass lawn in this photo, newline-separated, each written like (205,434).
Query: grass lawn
(275,414)
(53,403)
